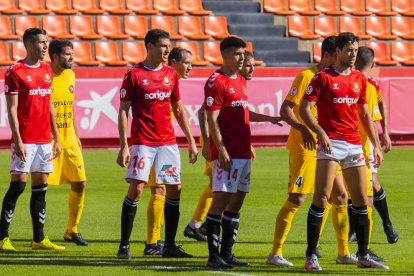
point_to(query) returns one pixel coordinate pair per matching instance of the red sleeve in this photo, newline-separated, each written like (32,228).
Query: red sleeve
(213,93)
(175,94)
(363,98)
(314,89)
(11,82)
(127,92)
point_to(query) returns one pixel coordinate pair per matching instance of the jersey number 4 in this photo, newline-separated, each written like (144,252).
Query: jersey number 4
(299,182)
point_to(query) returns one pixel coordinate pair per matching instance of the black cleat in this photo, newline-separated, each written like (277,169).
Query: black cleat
(374,256)
(160,244)
(218,263)
(194,234)
(203,229)
(233,260)
(392,235)
(175,252)
(352,237)
(75,238)
(152,249)
(318,253)
(123,252)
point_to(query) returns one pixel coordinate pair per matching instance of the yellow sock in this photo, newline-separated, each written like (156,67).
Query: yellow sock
(155,217)
(283,222)
(371,224)
(324,219)
(75,204)
(340,223)
(203,205)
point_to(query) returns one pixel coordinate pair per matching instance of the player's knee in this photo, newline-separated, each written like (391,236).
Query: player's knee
(78,187)
(340,199)
(173,191)
(158,191)
(321,201)
(297,199)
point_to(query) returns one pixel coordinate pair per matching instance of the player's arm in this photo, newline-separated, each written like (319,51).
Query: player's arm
(202,118)
(56,145)
(12,103)
(385,138)
(181,117)
(368,124)
(123,155)
(215,134)
(306,114)
(257,117)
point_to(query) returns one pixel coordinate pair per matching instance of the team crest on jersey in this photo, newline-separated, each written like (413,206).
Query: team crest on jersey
(47,78)
(356,87)
(376,110)
(228,184)
(123,93)
(6,88)
(209,101)
(166,81)
(293,91)
(21,164)
(309,90)
(71,89)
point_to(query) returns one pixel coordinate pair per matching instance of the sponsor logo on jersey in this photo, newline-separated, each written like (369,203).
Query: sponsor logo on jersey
(166,81)
(376,110)
(169,170)
(40,91)
(71,88)
(345,100)
(358,158)
(47,78)
(238,103)
(161,95)
(48,157)
(6,88)
(356,87)
(209,101)
(29,78)
(309,90)
(123,93)
(335,86)
(293,91)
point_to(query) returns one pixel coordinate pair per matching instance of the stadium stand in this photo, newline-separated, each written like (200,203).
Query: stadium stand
(21,23)
(140,7)
(4,54)
(317,52)
(193,7)
(354,7)
(352,24)
(377,26)
(113,7)
(300,26)
(33,7)
(165,23)
(18,50)
(60,7)
(378,7)
(403,7)
(56,27)
(167,7)
(136,26)
(110,27)
(302,7)
(212,52)
(382,56)
(6,32)
(402,52)
(190,27)
(82,54)
(193,47)
(83,27)
(325,26)
(403,27)
(328,7)
(107,53)
(8,7)
(133,51)
(277,7)
(216,26)
(86,6)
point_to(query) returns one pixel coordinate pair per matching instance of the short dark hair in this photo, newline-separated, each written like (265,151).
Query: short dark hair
(328,45)
(31,33)
(56,46)
(231,42)
(344,38)
(177,54)
(248,54)
(364,57)
(154,35)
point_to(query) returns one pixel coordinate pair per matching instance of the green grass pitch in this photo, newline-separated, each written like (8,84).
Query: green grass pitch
(106,189)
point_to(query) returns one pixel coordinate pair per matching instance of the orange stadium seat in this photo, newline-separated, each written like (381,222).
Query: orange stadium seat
(82,54)
(165,23)
(167,7)
(300,26)
(22,23)
(325,26)
(107,53)
(33,6)
(378,7)
(8,7)
(82,27)
(249,47)
(110,27)
(194,7)
(86,6)
(190,27)
(192,46)
(352,24)
(404,7)
(136,26)
(60,7)
(4,54)
(113,7)
(402,52)
(56,27)
(328,7)
(6,29)
(317,51)
(354,7)
(133,51)
(216,26)
(211,52)
(302,7)
(381,53)
(18,50)
(277,7)
(402,26)
(140,7)
(378,27)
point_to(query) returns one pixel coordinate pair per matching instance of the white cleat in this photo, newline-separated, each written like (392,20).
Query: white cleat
(347,259)
(278,260)
(367,262)
(312,263)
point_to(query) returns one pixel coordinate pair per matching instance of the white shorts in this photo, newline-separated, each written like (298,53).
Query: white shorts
(237,179)
(348,155)
(39,158)
(371,159)
(166,160)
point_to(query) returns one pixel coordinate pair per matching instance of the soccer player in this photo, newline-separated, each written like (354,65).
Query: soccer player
(179,59)
(230,148)
(27,88)
(68,166)
(194,229)
(340,95)
(151,89)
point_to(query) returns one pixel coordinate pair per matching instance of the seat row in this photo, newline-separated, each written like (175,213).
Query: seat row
(330,7)
(375,27)
(101,6)
(401,52)
(107,52)
(134,26)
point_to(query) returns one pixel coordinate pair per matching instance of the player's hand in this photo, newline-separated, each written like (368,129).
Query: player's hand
(224,160)
(123,157)
(20,150)
(56,149)
(253,151)
(308,139)
(386,142)
(192,153)
(325,143)
(276,120)
(205,151)
(377,157)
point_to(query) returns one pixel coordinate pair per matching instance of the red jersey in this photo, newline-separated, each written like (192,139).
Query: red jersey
(33,87)
(229,95)
(375,83)
(336,96)
(151,93)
